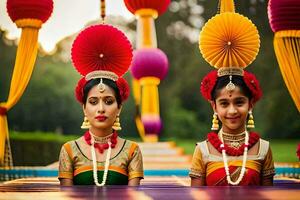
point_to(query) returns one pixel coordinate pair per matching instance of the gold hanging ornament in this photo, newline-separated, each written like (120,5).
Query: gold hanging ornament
(215,122)
(85,124)
(250,123)
(117,126)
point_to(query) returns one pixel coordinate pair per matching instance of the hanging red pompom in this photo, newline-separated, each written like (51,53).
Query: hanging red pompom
(159,5)
(284,14)
(101,47)
(29,9)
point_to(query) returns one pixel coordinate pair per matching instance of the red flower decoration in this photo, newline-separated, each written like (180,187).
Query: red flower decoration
(253,84)
(101,47)
(123,88)
(298,151)
(79,90)
(208,84)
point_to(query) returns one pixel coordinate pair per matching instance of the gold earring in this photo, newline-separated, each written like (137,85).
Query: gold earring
(85,124)
(250,123)
(117,126)
(215,122)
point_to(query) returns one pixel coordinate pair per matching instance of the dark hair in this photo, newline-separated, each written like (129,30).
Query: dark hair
(236,80)
(112,84)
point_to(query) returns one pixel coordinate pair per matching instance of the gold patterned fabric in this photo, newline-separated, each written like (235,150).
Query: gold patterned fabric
(75,163)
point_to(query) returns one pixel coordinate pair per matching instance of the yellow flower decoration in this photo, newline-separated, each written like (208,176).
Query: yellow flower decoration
(229,40)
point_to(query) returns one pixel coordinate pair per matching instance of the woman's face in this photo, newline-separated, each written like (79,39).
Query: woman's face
(232,109)
(101,108)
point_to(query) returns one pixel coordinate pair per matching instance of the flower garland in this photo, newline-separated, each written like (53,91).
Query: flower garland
(101,147)
(216,142)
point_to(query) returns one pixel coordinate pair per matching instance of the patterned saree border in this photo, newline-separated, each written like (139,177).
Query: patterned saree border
(90,168)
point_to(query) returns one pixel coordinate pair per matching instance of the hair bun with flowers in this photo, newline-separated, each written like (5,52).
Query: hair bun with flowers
(101,51)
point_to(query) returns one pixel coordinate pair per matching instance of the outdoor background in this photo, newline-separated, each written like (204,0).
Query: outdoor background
(48,110)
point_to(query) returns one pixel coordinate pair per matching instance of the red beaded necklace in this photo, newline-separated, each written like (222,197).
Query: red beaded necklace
(101,147)
(216,142)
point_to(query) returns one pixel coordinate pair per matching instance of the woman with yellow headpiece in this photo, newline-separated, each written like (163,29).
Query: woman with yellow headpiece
(231,155)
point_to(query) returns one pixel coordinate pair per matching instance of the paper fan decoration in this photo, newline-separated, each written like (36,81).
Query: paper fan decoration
(101,47)
(229,40)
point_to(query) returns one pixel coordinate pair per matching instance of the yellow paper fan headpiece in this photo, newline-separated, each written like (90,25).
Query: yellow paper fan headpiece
(229,40)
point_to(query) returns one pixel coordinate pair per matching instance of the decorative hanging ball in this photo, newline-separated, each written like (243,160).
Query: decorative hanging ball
(284,15)
(159,5)
(101,47)
(149,62)
(29,9)
(152,124)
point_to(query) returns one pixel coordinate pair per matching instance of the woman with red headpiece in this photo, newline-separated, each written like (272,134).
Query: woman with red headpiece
(101,54)
(231,155)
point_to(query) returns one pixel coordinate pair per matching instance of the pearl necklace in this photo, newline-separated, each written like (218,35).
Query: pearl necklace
(226,162)
(106,166)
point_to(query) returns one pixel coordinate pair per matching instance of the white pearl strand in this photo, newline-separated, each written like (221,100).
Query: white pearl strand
(244,160)
(95,175)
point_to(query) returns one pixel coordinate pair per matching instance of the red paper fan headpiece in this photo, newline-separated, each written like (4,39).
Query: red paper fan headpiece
(102,51)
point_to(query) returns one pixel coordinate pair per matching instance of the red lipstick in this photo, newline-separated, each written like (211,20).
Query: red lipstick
(101,118)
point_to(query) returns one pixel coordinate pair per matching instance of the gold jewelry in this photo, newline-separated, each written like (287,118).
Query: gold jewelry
(101,74)
(101,86)
(250,123)
(117,126)
(227,71)
(215,122)
(233,140)
(101,140)
(85,124)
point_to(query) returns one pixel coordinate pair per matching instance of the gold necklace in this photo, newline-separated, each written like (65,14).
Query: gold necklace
(233,140)
(99,139)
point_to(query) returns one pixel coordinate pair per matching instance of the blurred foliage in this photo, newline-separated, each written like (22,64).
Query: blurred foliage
(48,103)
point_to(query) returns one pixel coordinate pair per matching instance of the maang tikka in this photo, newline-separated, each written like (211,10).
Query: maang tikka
(101,86)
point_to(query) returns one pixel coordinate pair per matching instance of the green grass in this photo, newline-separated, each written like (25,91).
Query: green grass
(41,136)
(284,150)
